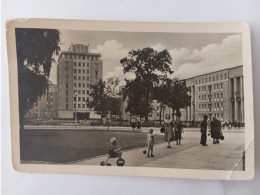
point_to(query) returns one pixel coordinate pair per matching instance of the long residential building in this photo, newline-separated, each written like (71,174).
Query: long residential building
(218,94)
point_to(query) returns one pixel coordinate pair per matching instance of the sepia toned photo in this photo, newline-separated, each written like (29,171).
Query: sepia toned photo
(134,99)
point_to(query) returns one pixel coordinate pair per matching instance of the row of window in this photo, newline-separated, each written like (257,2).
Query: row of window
(216,115)
(81,85)
(215,86)
(211,106)
(83,71)
(79,78)
(208,79)
(80,106)
(216,96)
(81,98)
(80,57)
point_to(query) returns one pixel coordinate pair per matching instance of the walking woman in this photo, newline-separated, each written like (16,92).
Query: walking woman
(178,131)
(169,134)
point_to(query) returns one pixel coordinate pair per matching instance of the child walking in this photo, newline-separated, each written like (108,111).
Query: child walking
(150,143)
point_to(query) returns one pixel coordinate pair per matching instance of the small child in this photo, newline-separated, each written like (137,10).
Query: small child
(114,150)
(150,143)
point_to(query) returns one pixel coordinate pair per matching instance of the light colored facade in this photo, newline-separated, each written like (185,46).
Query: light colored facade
(218,94)
(77,70)
(46,106)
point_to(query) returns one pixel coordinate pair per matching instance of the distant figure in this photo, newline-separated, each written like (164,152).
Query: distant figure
(178,131)
(150,143)
(235,124)
(238,125)
(133,125)
(138,125)
(203,130)
(169,134)
(114,150)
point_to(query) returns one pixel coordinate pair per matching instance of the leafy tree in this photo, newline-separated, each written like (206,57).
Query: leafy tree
(177,96)
(36,49)
(133,94)
(161,94)
(149,67)
(104,97)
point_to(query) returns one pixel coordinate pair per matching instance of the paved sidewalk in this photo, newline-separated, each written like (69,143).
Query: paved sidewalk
(114,128)
(190,155)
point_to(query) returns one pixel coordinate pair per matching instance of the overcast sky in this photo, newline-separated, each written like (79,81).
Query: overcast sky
(192,53)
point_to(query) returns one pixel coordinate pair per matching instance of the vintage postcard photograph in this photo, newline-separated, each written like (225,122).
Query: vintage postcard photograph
(131,98)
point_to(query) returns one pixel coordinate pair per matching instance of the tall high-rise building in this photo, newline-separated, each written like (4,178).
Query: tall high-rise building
(77,70)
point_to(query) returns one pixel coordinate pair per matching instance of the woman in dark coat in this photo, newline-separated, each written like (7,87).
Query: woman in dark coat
(178,131)
(203,130)
(215,127)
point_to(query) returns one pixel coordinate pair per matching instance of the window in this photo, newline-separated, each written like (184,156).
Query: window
(75,98)
(79,78)
(221,86)
(79,105)
(79,70)
(84,71)
(96,73)
(92,57)
(67,93)
(83,85)
(88,64)
(87,99)
(87,91)
(83,99)
(87,78)
(67,99)
(75,70)
(75,77)
(87,71)
(75,63)
(83,64)
(79,84)
(83,59)
(79,91)
(83,105)
(199,88)
(79,98)
(67,106)
(79,64)
(67,85)
(83,78)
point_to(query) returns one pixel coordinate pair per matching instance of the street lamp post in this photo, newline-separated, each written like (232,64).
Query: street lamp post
(76,118)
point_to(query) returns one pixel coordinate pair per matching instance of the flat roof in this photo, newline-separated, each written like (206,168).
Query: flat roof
(214,72)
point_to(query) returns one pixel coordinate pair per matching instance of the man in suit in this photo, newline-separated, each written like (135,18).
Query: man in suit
(203,130)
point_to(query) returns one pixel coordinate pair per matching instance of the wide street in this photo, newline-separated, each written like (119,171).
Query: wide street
(88,146)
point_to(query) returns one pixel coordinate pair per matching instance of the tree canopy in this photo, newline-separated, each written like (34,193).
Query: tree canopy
(149,67)
(105,98)
(36,49)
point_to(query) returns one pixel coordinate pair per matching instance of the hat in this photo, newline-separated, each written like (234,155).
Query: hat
(112,140)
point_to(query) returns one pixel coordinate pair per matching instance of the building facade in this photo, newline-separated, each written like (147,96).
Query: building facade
(46,106)
(77,70)
(217,94)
